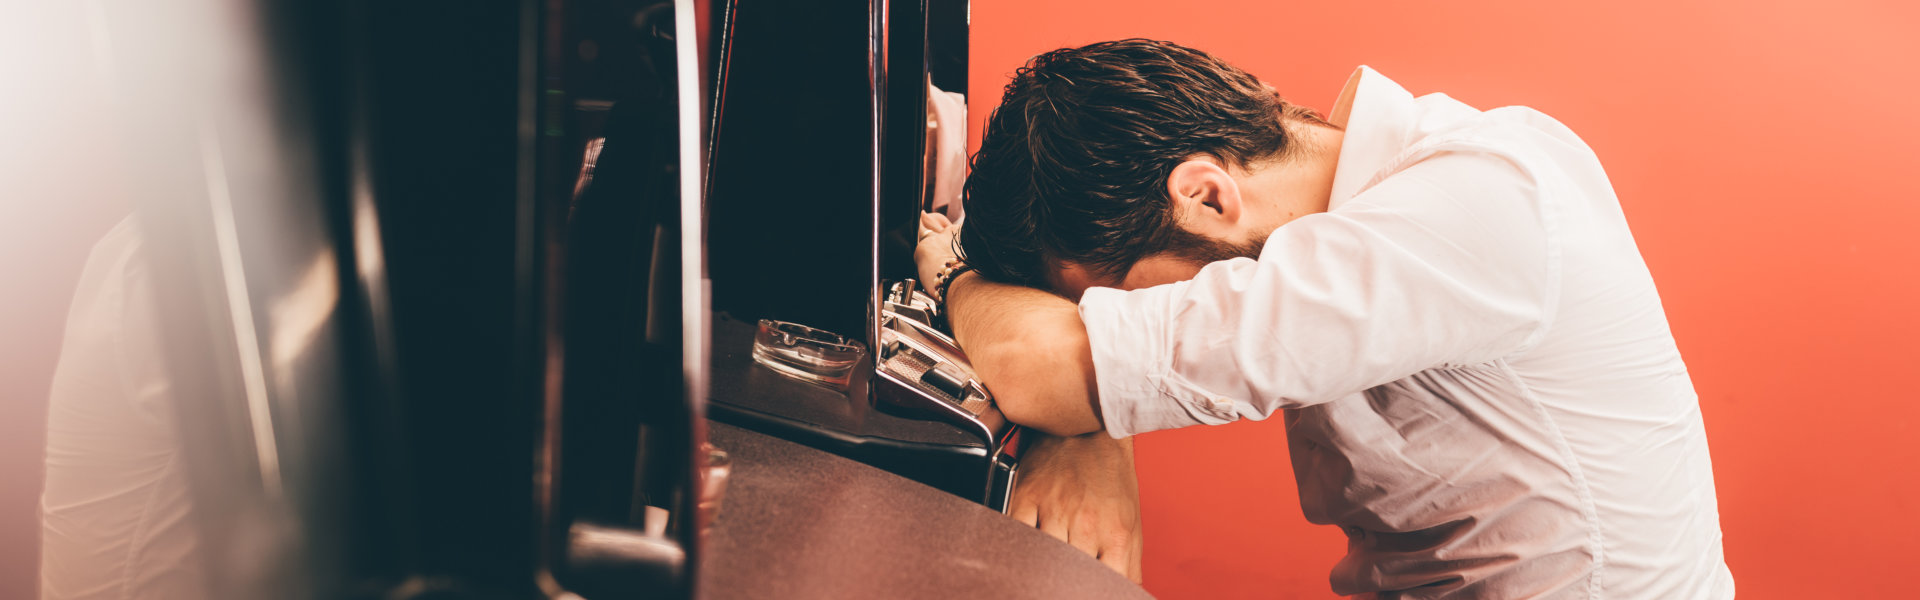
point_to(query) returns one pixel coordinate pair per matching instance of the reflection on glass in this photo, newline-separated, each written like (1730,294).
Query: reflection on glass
(117,515)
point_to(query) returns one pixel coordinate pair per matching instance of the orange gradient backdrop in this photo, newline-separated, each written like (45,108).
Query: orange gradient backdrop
(1766,155)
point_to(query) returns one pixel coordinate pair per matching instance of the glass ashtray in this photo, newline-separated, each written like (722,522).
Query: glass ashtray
(811,355)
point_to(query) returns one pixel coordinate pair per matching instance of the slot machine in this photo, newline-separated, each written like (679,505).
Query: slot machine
(837,124)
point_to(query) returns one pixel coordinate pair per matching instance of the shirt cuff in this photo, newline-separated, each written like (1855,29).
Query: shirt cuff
(1133,367)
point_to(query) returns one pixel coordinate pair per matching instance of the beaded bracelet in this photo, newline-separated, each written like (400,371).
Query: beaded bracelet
(944,280)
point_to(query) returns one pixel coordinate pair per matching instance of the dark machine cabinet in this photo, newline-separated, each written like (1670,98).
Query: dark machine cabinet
(435,275)
(413,350)
(818,173)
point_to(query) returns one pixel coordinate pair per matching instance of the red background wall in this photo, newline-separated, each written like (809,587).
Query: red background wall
(1765,154)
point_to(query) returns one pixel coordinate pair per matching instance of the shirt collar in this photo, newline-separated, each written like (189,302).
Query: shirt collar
(1379,117)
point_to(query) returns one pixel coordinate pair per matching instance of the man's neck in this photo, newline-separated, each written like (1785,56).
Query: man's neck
(1302,183)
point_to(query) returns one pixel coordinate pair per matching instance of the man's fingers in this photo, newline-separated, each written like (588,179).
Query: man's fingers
(935,221)
(1028,513)
(1135,543)
(1086,540)
(1120,560)
(1086,534)
(1055,527)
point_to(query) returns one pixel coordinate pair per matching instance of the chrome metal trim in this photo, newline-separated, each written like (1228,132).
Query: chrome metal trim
(1005,498)
(693,264)
(721,66)
(240,310)
(695,290)
(877,88)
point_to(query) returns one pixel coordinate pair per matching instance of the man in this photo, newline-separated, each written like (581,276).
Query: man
(1478,381)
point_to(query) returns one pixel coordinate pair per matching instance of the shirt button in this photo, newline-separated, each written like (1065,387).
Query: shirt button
(1222,404)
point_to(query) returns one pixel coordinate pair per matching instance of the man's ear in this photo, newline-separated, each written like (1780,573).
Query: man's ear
(1205,197)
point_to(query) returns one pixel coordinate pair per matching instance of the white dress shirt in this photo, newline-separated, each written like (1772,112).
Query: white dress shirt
(1477,377)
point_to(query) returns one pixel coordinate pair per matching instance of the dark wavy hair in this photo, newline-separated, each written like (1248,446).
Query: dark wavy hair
(1074,162)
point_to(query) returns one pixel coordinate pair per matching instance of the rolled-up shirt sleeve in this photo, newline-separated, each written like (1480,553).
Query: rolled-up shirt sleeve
(1451,261)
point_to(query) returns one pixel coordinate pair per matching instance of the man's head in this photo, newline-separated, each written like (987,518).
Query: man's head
(1133,163)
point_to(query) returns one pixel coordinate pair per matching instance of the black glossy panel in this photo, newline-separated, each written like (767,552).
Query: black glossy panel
(790,205)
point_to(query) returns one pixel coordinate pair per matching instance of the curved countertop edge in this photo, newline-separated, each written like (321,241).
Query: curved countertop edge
(796,522)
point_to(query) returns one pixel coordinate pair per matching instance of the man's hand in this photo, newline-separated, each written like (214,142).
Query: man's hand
(935,247)
(1083,490)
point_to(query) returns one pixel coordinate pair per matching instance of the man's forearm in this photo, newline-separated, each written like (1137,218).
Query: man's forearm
(1030,348)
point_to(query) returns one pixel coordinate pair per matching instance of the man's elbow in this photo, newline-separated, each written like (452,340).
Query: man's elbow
(1040,382)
